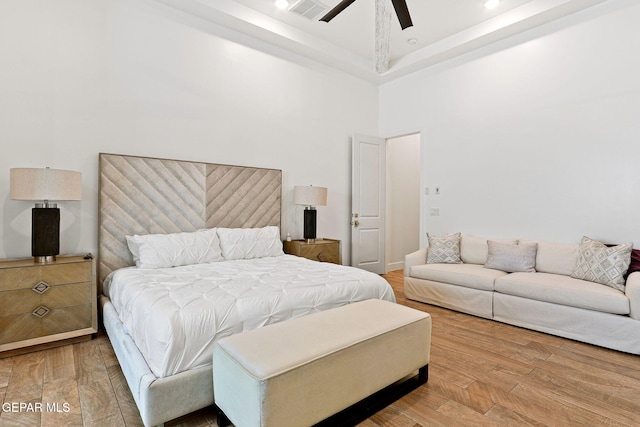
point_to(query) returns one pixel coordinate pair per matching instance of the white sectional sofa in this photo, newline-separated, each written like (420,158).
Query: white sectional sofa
(548,299)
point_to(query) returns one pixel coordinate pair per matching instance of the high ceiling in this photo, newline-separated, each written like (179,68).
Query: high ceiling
(442,29)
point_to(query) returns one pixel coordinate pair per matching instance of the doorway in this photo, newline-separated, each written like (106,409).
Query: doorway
(403,199)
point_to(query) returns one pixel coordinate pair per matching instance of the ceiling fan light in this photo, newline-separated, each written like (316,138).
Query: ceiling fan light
(282,4)
(491,4)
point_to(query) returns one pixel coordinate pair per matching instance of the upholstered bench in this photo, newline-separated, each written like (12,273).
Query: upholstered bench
(301,371)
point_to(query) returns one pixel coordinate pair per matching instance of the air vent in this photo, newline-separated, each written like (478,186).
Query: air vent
(310,9)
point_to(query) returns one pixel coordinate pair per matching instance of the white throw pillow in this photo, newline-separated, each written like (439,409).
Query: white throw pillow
(249,243)
(555,258)
(474,250)
(601,264)
(175,249)
(511,258)
(444,249)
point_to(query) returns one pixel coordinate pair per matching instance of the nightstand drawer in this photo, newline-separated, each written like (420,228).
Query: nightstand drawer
(25,277)
(24,301)
(26,326)
(324,253)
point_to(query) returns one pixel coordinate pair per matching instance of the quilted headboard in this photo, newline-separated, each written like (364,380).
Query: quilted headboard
(143,195)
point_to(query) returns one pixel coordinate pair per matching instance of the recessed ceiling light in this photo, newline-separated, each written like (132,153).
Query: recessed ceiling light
(412,40)
(282,4)
(491,4)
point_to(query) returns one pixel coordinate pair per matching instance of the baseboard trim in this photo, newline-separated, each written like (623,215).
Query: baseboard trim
(393,266)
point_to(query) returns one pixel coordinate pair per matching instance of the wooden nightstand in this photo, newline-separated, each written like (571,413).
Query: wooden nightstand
(46,305)
(325,250)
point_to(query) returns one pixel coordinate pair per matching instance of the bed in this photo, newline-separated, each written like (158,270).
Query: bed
(166,297)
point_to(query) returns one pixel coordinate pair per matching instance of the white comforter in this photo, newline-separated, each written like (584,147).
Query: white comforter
(175,315)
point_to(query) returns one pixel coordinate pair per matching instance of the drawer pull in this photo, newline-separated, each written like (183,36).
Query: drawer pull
(41,287)
(40,312)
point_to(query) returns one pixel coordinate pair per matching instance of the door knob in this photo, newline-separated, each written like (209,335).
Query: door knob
(356,223)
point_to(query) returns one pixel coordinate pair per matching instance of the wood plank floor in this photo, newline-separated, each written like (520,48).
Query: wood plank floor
(482,373)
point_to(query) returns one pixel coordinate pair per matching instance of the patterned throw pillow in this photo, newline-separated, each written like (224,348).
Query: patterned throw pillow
(601,264)
(444,249)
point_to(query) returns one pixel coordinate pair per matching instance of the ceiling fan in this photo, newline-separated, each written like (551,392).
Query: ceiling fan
(399,5)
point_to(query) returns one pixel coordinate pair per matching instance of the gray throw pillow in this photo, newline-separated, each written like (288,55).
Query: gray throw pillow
(601,264)
(444,249)
(511,258)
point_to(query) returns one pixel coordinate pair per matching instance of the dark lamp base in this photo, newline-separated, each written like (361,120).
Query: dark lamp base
(45,233)
(310,215)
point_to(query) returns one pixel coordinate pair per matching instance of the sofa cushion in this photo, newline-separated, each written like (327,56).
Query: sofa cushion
(601,264)
(444,249)
(474,250)
(468,275)
(511,257)
(556,258)
(564,290)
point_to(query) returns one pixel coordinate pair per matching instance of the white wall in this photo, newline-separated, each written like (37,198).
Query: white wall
(403,199)
(535,137)
(134,77)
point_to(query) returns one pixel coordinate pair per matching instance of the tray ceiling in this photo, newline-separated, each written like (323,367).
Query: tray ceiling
(352,42)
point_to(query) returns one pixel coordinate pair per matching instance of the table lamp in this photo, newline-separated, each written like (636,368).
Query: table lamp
(310,197)
(45,185)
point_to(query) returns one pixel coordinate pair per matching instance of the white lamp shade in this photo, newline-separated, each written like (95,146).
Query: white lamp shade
(310,195)
(45,184)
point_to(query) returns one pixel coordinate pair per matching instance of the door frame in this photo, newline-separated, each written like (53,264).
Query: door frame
(387,230)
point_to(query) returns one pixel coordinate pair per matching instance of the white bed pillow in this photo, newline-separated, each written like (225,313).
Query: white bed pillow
(175,249)
(249,243)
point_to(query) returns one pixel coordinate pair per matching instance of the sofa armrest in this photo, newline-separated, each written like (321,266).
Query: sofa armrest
(418,257)
(633,293)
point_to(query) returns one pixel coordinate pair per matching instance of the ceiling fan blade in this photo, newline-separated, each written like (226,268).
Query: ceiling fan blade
(336,10)
(403,13)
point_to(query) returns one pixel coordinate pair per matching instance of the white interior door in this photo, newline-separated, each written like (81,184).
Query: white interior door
(368,203)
